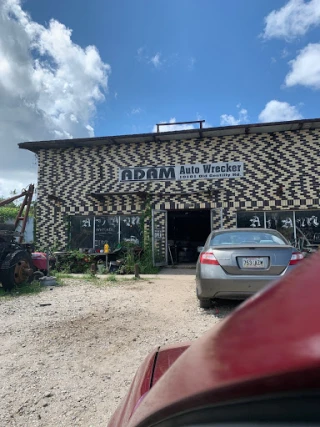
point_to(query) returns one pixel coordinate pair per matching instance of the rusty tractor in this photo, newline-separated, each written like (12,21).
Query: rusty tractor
(16,266)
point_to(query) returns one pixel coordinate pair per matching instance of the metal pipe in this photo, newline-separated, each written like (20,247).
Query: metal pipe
(294,228)
(12,199)
(28,201)
(19,215)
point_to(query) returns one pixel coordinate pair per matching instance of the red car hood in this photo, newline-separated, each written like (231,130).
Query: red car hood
(269,344)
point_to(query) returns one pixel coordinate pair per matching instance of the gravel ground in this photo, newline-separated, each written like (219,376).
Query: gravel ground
(70,363)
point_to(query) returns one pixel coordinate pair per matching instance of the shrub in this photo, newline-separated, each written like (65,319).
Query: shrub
(74,262)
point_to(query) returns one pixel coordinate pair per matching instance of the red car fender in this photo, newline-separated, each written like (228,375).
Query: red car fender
(150,371)
(272,336)
(140,385)
(167,355)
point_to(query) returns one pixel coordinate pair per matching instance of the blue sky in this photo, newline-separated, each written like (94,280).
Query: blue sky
(81,68)
(211,58)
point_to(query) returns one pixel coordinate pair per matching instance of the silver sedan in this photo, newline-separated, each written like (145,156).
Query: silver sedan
(236,263)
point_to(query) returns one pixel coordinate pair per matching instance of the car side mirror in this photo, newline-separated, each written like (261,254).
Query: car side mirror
(200,248)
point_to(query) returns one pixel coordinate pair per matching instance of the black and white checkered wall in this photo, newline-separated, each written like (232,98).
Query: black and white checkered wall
(68,176)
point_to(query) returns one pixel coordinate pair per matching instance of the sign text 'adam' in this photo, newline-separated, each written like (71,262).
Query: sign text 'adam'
(181,172)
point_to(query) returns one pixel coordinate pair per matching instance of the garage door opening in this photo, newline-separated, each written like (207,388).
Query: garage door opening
(186,231)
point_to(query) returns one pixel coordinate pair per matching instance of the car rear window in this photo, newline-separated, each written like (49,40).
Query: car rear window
(247,237)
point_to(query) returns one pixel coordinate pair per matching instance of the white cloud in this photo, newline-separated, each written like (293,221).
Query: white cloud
(155,60)
(160,61)
(90,131)
(139,51)
(136,111)
(173,127)
(229,120)
(49,88)
(192,62)
(205,124)
(16,183)
(294,19)
(284,53)
(305,69)
(276,111)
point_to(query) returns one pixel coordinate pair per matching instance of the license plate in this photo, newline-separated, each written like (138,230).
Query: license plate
(253,262)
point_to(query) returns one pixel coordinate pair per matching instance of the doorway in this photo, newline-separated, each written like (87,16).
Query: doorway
(186,231)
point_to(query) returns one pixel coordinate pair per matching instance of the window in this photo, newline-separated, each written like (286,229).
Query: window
(247,237)
(89,232)
(283,222)
(250,219)
(81,230)
(308,226)
(106,231)
(130,230)
(301,228)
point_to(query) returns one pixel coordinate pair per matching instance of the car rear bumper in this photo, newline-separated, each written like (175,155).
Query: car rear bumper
(233,287)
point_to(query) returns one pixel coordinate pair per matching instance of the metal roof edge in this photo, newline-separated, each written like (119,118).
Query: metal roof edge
(270,127)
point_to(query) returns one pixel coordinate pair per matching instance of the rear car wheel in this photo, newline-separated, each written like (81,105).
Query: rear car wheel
(204,303)
(16,269)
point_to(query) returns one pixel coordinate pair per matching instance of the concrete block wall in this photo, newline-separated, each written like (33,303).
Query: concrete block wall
(67,176)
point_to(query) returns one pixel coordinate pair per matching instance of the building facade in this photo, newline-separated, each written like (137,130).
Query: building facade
(98,189)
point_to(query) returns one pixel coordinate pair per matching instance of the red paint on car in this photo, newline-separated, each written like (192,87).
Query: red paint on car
(269,344)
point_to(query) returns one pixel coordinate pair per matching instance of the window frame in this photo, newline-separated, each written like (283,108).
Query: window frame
(94,218)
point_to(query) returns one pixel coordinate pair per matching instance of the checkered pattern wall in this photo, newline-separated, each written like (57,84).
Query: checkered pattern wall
(68,176)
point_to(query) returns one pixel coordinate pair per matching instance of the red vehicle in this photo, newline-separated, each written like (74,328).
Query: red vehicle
(39,261)
(259,366)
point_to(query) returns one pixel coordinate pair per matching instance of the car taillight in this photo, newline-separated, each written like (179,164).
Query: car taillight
(295,258)
(208,258)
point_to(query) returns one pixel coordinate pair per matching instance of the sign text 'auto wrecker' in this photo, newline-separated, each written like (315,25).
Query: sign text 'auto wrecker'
(180,172)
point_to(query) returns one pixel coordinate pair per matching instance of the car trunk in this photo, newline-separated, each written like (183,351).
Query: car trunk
(248,260)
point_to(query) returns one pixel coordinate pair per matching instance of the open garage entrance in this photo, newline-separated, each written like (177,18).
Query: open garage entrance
(187,230)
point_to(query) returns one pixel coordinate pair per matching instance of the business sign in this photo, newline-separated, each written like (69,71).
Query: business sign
(180,172)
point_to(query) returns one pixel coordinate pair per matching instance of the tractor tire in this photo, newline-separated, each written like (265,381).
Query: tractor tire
(16,269)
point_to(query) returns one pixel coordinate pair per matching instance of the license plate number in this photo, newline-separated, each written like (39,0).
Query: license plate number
(253,263)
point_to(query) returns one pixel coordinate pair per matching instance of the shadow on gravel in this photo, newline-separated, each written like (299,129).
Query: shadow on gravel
(221,309)
(178,271)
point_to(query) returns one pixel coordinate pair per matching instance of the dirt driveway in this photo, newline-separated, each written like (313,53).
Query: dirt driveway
(70,363)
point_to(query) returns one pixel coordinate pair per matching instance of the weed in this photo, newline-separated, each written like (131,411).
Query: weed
(61,275)
(24,289)
(3,293)
(29,288)
(112,278)
(74,262)
(90,277)
(144,261)
(101,269)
